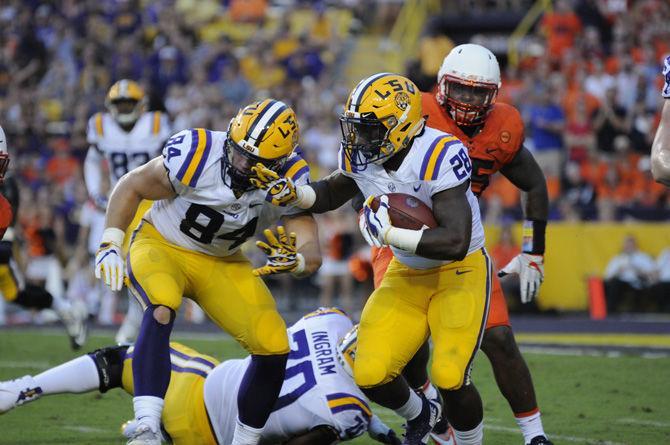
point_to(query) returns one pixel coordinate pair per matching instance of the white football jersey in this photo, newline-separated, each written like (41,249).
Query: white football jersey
(123,150)
(206,216)
(436,161)
(316,391)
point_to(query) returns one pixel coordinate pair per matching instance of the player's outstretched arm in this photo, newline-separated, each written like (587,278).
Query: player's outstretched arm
(451,239)
(320,435)
(526,174)
(307,242)
(321,196)
(660,149)
(149,181)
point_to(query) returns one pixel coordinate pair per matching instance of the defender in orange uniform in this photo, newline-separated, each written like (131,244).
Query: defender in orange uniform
(465,106)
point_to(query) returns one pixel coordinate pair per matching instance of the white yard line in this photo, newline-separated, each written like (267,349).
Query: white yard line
(11,364)
(553,436)
(85,429)
(644,422)
(587,352)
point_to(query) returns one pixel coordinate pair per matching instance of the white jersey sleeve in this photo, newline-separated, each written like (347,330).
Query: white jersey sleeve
(94,129)
(184,157)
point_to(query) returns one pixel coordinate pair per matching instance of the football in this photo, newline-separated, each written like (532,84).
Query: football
(407,211)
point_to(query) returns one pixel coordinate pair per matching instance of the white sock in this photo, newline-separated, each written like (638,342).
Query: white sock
(76,376)
(412,408)
(473,437)
(246,435)
(429,391)
(531,426)
(148,410)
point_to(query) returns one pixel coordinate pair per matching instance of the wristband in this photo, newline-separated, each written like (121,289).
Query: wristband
(404,239)
(113,235)
(533,237)
(300,265)
(305,197)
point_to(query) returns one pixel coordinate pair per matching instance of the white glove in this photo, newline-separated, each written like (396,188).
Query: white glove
(530,269)
(109,264)
(375,225)
(380,432)
(666,74)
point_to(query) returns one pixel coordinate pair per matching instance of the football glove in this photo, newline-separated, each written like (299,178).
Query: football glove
(280,191)
(282,253)
(666,75)
(109,264)
(530,269)
(380,432)
(375,225)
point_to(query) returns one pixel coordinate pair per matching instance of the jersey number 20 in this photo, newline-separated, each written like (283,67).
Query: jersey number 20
(204,233)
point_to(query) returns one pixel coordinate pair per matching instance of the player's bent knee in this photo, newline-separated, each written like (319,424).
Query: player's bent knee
(447,375)
(500,341)
(163,314)
(371,373)
(268,336)
(109,362)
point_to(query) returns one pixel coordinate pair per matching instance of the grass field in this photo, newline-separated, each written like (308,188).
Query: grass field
(584,399)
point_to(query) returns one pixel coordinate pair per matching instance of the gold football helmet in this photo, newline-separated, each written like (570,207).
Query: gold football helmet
(126,102)
(265,132)
(381,116)
(346,350)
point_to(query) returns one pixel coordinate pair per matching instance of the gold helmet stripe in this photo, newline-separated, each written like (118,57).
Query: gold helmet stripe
(361,88)
(264,117)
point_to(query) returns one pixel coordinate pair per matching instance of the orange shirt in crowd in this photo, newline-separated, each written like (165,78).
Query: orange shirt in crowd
(560,30)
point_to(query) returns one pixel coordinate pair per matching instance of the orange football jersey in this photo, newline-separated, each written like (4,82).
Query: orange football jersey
(5,215)
(496,144)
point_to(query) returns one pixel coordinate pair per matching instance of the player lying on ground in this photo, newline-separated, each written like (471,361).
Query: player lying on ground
(13,287)
(205,207)
(439,281)
(319,403)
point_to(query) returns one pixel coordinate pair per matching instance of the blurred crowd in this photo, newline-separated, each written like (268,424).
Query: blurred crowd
(587,84)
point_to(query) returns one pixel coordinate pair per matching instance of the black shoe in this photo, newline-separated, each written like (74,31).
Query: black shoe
(540,440)
(417,430)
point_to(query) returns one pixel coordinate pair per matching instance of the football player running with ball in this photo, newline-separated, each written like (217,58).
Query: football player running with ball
(189,244)
(440,279)
(468,83)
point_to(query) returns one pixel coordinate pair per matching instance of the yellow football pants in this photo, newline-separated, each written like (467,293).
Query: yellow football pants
(450,303)
(137,219)
(160,273)
(9,284)
(184,415)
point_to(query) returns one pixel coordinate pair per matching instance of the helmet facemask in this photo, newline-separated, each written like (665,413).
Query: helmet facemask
(4,164)
(467,102)
(238,162)
(366,139)
(125,111)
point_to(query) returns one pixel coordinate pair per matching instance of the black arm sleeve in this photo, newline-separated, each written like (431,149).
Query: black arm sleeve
(332,192)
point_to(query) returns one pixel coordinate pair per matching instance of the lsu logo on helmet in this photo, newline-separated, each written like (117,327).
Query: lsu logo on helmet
(265,132)
(346,350)
(125,101)
(382,115)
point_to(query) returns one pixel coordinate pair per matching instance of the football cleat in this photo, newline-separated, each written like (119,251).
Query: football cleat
(417,430)
(75,319)
(142,434)
(17,392)
(540,440)
(446,438)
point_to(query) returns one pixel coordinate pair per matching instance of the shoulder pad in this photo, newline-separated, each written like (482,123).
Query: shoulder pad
(185,155)
(95,128)
(434,157)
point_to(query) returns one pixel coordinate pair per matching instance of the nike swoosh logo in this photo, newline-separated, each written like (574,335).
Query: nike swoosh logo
(416,188)
(461,272)
(491,150)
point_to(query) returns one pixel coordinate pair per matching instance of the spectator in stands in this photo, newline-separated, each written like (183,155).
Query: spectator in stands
(561,26)
(546,122)
(661,290)
(628,276)
(578,193)
(610,121)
